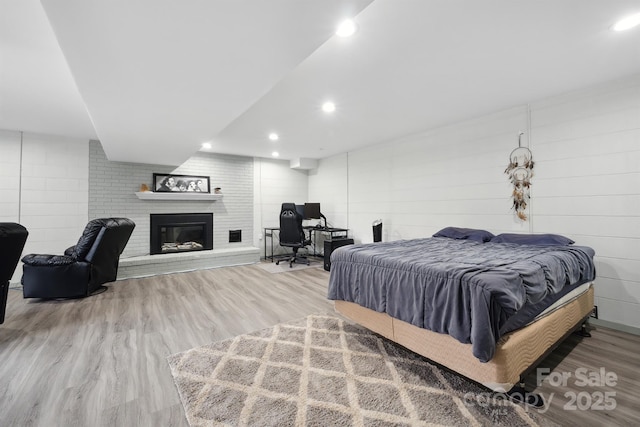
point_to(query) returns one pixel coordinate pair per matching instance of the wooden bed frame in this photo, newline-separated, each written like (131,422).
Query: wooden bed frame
(516,353)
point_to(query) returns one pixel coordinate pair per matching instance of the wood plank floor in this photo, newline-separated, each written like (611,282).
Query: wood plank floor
(101,361)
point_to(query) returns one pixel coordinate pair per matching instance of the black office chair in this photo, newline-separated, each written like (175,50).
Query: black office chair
(292,234)
(12,239)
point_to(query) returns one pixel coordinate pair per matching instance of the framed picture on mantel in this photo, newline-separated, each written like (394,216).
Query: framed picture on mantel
(164,183)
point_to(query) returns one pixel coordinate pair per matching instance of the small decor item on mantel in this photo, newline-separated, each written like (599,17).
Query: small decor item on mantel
(217,190)
(520,171)
(144,188)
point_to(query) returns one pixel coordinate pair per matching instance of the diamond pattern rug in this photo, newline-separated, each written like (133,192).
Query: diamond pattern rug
(324,371)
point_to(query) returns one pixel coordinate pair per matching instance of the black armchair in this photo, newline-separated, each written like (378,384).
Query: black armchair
(12,239)
(83,268)
(291,233)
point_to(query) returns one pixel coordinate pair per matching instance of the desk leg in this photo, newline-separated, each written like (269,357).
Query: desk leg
(314,240)
(270,236)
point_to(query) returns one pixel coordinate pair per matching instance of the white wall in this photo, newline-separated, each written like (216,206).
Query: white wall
(425,182)
(10,154)
(586,182)
(51,177)
(586,146)
(587,151)
(45,182)
(113,186)
(328,185)
(275,182)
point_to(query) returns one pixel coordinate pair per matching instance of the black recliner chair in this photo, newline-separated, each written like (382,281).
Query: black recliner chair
(292,234)
(12,239)
(83,268)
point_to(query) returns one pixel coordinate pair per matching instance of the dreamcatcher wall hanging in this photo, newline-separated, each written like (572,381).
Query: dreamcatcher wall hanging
(520,172)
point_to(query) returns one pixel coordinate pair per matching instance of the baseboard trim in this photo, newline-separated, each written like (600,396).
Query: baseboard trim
(617,326)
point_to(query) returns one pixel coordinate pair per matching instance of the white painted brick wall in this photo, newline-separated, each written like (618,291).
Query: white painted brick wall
(51,179)
(9,176)
(112,188)
(46,186)
(54,197)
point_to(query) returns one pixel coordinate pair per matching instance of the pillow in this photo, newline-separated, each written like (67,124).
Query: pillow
(465,234)
(533,239)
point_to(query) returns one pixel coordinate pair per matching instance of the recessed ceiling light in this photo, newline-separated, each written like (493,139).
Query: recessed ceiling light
(346,28)
(328,107)
(627,23)
(273,136)
(206,145)
(275,154)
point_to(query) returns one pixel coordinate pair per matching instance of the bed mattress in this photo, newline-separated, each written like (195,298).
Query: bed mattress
(466,289)
(532,312)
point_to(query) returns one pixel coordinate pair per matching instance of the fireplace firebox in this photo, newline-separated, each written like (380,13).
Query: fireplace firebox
(174,232)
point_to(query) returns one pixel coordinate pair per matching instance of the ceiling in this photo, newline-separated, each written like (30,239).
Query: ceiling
(154,79)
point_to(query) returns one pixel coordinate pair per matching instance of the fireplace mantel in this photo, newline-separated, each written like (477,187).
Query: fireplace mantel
(150,195)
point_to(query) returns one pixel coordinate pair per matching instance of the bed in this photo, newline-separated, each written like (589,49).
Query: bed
(488,307)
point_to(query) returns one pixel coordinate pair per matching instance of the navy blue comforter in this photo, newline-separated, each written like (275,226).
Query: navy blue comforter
(458,287)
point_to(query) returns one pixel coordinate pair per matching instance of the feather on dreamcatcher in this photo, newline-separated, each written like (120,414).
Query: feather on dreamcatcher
(520,172)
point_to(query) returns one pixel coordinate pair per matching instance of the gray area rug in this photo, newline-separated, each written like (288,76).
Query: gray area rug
(324,371)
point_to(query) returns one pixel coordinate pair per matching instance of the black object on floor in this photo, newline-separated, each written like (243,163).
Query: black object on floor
(330,246)
(12,239)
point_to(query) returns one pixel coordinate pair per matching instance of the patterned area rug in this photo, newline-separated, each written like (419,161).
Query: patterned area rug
(323,371)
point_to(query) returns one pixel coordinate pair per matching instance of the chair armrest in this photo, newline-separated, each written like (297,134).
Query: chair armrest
(69,250)
(37,260)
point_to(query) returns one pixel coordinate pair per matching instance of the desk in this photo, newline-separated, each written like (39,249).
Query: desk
(333,233)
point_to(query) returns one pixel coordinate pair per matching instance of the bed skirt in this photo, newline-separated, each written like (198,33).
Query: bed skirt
(515,353)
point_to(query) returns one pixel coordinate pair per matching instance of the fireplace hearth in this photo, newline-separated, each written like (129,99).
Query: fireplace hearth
(173,232)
